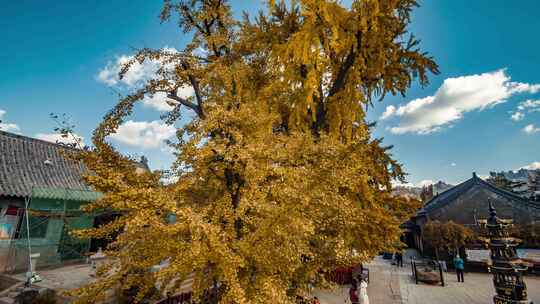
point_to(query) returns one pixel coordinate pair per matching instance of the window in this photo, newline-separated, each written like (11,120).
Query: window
(38,227)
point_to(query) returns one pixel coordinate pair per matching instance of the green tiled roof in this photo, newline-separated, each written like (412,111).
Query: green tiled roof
(66,194)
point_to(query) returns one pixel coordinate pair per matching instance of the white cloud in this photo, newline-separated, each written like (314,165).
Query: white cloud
(143,134)
(453,164)
(157,101)
(108,75)
(530,129)
(425,182)
(517,116)
(453,99)
(170,179)
(519,87)
(136,74)
(390,110)
(532,166)
(420,184)
(57,138)
(529,104)
(200,52)
(400,184)
(8,127)
(185,92)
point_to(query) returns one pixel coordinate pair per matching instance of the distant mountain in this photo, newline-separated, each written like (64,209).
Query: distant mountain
(407,191)
(440,187)
(415,191)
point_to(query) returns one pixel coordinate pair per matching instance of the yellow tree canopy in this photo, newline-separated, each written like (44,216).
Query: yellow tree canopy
(447,236)
(279,178)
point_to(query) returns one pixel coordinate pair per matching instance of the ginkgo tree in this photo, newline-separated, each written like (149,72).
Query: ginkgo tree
(279,179)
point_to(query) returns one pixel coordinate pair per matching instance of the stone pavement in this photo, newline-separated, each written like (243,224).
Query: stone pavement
(62,278)
(392,285)
(383,287)
(478,288)
(388,285)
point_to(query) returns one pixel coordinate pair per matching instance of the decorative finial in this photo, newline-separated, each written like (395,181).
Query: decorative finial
(492,211)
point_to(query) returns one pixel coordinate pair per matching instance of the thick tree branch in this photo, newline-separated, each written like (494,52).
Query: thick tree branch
(187,103)
(341,77)
(195,84)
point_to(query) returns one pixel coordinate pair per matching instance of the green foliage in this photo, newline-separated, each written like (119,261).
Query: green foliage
(528,233)
(447,236)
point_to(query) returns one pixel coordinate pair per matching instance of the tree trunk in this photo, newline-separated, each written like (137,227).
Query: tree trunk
(215,293)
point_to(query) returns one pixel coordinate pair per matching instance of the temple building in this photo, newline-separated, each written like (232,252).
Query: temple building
(466,204)
(41,188)
(37,174)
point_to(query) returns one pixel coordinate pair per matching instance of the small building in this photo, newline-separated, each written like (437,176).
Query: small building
(38,175)
(467,203)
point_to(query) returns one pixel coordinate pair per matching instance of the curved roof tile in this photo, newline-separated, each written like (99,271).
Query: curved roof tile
(27,162)
(453,193)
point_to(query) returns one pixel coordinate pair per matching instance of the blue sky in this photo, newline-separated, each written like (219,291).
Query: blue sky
(481,113)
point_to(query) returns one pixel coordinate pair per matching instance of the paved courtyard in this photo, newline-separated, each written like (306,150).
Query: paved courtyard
(62,278)
(392,285)
(389,285)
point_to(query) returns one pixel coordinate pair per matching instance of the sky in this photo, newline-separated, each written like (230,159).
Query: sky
(480,114)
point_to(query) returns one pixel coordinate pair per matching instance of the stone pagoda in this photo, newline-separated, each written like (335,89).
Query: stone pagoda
(507,268)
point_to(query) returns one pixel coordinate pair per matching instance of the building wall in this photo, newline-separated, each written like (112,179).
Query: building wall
(12,221)
(54,244)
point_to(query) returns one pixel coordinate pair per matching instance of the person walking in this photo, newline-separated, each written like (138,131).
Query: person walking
(353,293)
(363,296)
(399,259)
(459,265)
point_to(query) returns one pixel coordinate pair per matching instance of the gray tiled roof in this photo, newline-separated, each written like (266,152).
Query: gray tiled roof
(28,162)
(452,194)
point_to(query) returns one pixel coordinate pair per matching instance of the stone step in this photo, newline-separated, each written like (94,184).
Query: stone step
(13,294)
(18,287)
(7,300)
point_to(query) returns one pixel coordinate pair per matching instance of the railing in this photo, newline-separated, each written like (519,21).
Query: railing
(345,275)
(421,276)
(341,276)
